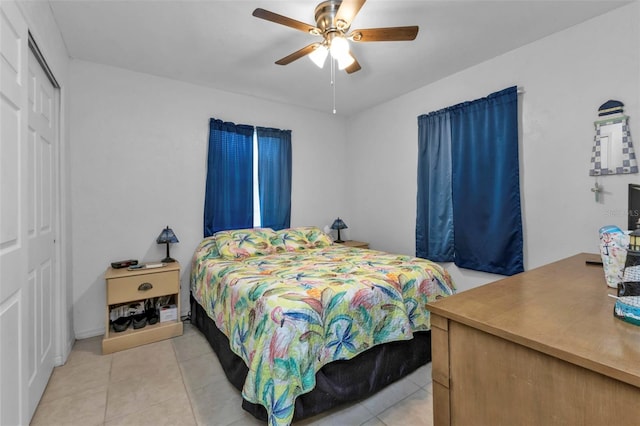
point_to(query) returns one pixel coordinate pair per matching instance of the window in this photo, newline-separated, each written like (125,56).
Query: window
(468,201)
(235,151)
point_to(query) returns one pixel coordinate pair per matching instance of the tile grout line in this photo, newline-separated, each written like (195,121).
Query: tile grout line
(106,402)
(184,385)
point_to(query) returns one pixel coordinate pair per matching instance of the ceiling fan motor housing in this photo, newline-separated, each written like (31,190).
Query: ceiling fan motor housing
(325,18)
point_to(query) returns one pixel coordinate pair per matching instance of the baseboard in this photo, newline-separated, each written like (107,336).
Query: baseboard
(62,358)
(89,333)
(57,361)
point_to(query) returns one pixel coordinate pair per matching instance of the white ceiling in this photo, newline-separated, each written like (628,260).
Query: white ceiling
(220,44)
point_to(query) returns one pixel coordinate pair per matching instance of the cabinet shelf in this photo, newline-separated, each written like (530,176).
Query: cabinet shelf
(130,338)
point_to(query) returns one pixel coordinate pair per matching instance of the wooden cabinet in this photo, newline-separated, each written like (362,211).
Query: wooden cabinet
(537,348)
(125,286)
(353,243)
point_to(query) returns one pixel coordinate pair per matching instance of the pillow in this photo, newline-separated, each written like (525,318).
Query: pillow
(304,237)
(317,237)
(241,243)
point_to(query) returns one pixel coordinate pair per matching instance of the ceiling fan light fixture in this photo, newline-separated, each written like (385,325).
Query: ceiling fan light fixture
(345,61)
(339,47)
(319,55)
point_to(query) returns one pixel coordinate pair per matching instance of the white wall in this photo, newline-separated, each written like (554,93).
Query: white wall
(138,155)
(138,163)
(566,77)
(43,28)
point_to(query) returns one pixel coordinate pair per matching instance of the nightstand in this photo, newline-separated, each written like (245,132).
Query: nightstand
(354,243)
(125,286)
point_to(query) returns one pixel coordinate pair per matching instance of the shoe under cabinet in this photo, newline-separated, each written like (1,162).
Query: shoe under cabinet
(133,296)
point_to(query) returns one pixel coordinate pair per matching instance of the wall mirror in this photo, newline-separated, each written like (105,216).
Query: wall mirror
(612,150)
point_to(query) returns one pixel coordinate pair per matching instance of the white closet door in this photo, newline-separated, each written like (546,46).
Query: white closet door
(14,333)
(28,206)
(42,200)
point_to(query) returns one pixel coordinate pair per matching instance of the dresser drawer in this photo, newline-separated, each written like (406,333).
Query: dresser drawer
(139,287)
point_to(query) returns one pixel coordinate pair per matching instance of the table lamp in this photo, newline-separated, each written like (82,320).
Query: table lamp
(339,224)
(167,237)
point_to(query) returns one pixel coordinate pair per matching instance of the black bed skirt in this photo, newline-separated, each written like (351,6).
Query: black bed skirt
(336,383)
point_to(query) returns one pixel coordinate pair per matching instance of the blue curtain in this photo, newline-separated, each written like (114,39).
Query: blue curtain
(274,177)
(485,186)
(228,202)
(434,217)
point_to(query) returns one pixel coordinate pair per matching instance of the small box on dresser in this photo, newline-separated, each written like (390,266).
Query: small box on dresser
(128,286)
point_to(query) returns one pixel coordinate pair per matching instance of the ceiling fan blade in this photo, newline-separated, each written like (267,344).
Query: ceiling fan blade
(347,11)
(385,34)
(283,20)
(298,54)
(355,66)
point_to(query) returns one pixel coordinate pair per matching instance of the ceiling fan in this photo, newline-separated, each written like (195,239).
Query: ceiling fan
(333,20)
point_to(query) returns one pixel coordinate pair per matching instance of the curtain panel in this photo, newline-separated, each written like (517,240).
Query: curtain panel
(228,202)
(434,220)
(274,177)
(485,186)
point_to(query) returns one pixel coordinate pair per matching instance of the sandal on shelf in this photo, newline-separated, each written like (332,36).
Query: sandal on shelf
(121,324)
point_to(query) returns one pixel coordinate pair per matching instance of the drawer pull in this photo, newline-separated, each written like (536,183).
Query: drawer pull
(145,286)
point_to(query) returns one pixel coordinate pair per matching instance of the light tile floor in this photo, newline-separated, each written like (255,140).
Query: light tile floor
(180,382)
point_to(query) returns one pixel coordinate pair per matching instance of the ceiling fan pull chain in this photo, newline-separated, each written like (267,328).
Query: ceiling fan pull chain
(333,82)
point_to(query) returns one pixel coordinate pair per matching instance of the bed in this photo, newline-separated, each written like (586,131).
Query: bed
(301,324)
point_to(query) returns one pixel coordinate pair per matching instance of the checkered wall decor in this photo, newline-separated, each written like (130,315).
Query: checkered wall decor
(629,163)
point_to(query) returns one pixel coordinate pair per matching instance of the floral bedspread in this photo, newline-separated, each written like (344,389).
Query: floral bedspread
(288,314)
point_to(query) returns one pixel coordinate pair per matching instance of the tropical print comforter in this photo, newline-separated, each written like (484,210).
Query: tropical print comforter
(287,314)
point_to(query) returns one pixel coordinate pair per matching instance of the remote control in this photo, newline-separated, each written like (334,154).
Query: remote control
(123,263)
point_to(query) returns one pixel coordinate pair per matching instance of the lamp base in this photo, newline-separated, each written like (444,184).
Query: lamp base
(167,258)
(339,241)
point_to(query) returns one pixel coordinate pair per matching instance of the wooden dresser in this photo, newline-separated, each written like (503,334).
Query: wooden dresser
(537,348)
(124,286)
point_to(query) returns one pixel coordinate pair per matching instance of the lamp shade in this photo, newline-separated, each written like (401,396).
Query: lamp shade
(345,61)
(319,55)
(339,224)
(167,236)
(339,47)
